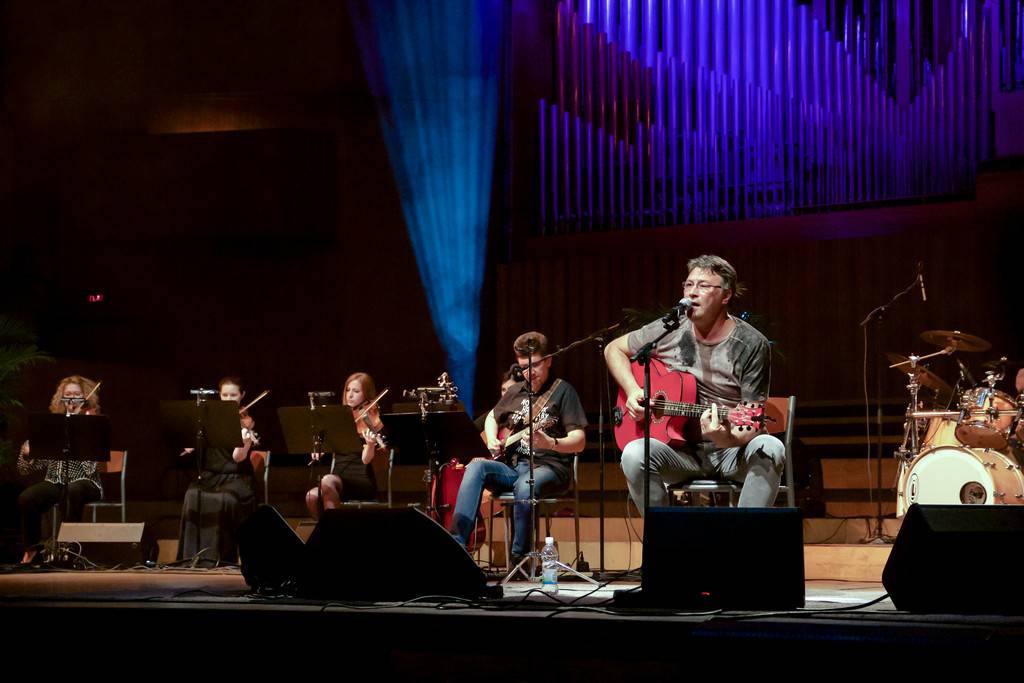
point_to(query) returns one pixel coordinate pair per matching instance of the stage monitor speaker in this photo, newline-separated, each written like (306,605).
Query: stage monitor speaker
(270,551)
(937,564)
(721,558)
(386,554)
(106,544)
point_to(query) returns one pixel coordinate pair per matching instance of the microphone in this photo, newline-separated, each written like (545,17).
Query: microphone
(422,391)
(920,279)
(527,347)
(318,399)
(516,372)
(965,372)
(680,309)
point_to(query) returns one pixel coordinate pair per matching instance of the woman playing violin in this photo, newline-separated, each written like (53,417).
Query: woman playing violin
(351,476)
(76,395)
(226,487)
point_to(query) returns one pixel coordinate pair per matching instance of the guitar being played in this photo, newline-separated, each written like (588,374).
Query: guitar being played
(673,405)
(726,362)
(507,438)
(559,421)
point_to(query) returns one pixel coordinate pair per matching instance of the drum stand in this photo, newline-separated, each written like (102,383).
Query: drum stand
(913,409)
(905,455)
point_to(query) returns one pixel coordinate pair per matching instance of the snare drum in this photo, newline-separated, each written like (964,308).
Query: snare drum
(951,475)
(979,429)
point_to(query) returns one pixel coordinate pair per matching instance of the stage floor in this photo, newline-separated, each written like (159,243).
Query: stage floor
(227,585)
(577,634)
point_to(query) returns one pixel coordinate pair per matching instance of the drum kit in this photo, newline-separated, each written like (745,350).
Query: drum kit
(962,448)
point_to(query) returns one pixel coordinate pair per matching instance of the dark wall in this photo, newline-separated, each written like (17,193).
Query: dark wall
(217,172)
(811,280)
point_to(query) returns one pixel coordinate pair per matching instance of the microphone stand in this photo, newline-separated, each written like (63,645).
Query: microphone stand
(201,397)
(600,337)
(643,357)
(600,454)
(534,553)
(876,315)
(54,552)
(318,444)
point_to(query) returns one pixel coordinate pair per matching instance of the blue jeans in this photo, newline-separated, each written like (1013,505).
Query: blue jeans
(498,477)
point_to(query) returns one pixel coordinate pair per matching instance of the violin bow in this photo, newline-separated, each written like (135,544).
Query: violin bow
(253,402)
(372,404)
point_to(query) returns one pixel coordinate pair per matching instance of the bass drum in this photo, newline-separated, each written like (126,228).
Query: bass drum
(951,475)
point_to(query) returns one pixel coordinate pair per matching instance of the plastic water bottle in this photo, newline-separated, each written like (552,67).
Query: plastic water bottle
(549,570)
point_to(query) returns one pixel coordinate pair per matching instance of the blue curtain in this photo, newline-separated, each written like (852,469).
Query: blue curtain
(433,68)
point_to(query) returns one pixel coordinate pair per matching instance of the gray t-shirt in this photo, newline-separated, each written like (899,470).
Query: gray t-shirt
(736,368)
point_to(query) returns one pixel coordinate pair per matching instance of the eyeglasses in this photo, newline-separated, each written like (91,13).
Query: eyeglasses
(702,287)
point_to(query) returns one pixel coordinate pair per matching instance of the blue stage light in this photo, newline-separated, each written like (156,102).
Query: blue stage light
(433,68)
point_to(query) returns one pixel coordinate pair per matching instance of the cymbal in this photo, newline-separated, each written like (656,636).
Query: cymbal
(998,363)
(957,339)
(925,377)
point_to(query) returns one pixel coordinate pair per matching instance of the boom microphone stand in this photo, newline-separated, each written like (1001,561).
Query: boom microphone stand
(877,315)
(529,349)
(643,357)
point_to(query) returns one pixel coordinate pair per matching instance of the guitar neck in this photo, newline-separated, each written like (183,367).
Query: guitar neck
(674,408)
(522,433)
(515,438)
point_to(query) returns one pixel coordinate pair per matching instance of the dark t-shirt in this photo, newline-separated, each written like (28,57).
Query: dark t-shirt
(562,413)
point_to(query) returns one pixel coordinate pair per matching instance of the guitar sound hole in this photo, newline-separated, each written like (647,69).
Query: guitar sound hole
(658,413)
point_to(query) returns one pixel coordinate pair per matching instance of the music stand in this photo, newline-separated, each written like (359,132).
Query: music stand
(325,429)
(320,429)
(205,423)
(64,438)
(69,437)
(421,438)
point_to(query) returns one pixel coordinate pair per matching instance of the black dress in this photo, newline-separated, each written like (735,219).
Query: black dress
(358,481)
(228,498)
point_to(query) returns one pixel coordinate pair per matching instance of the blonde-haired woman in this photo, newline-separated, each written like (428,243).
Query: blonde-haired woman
(76,395)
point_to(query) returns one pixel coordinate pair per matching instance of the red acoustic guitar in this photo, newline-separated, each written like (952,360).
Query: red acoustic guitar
(673,404)
(445,494)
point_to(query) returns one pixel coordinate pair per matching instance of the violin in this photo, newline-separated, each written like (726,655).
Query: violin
(247,422)
(368,422)
(71,404)
(248,425)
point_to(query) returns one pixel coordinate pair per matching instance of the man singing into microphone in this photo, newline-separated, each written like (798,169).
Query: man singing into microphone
(730,361)
(558,424)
